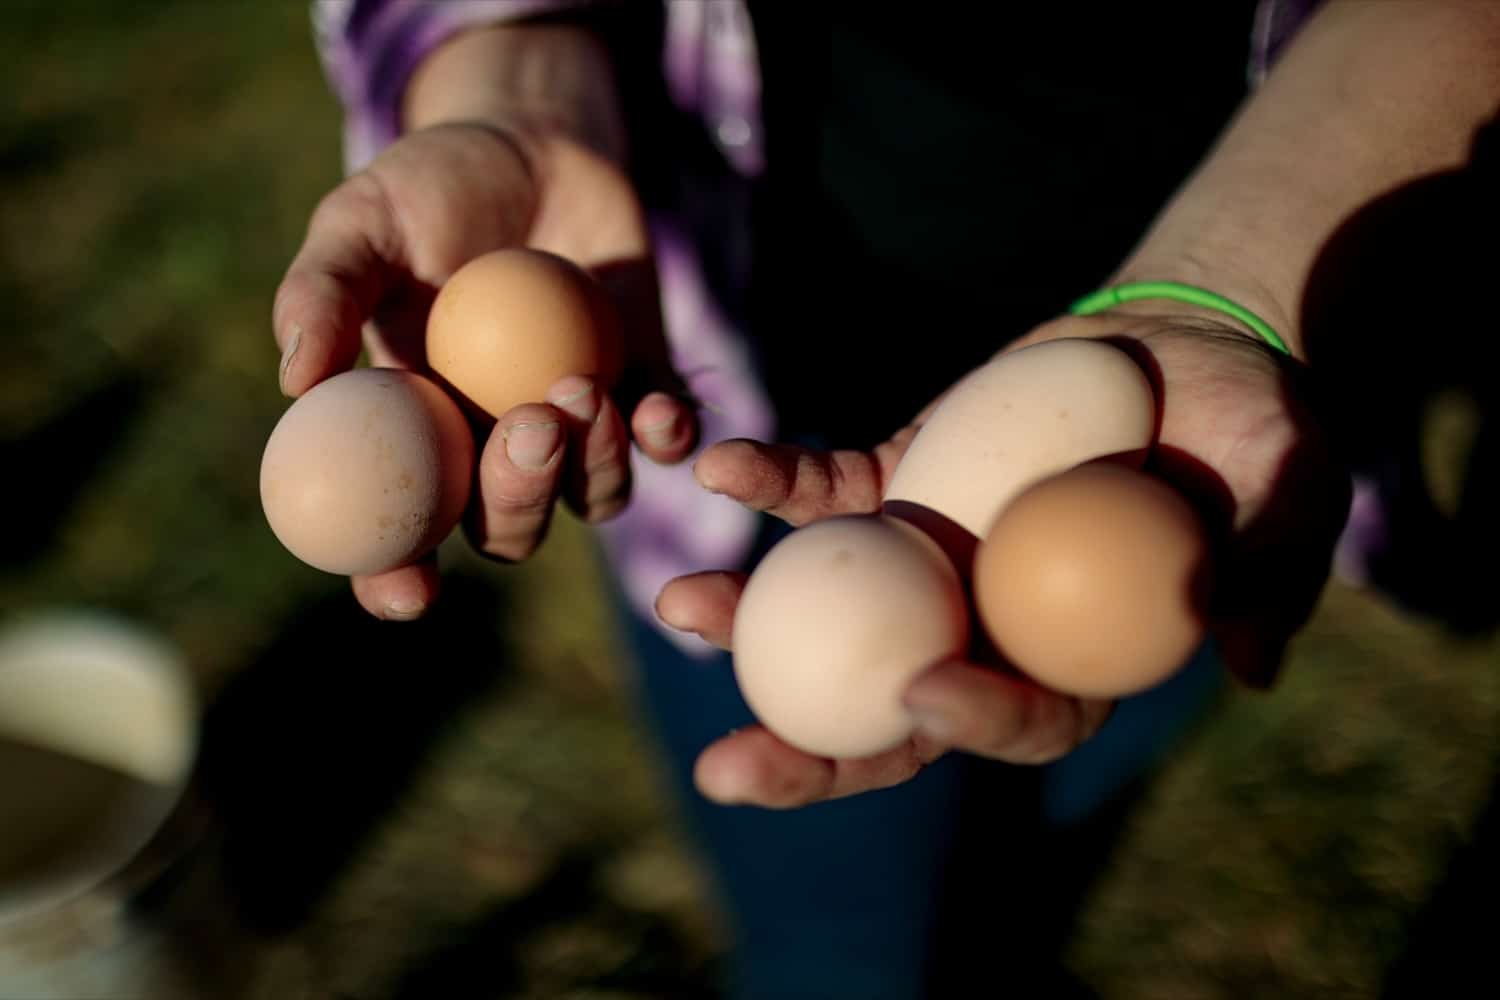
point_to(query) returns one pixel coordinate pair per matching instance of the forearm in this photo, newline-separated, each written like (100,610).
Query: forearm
(1369,97)
(535,77)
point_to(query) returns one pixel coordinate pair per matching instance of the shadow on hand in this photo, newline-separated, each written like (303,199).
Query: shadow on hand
(1394,316)
(307,750)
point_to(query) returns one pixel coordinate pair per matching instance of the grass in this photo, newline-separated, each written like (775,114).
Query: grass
(405,813)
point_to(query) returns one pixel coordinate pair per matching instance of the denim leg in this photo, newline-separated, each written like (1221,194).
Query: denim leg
(912,891)
(1140,730)
(834,900)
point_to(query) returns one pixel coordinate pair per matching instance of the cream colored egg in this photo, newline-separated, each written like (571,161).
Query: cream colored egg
(1022,417)
(367,471)
(835,623)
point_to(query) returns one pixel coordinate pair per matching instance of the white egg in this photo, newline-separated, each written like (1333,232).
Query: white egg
(835,623)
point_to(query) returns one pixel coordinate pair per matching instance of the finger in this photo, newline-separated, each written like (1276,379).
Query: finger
(1000,716)
(796,484)
(665,428)
(1275,567)
(663,422)
(702,603)
(520,472)
(402,594)
(596,482)
(753,767)
(333,284)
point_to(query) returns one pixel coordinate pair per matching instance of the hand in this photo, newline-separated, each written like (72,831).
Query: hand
(378,248)
(1237,438)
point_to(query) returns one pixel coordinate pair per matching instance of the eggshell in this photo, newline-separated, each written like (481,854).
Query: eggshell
(509,324)
(1024,416)
(1094,581)
(833,625)
(367,471)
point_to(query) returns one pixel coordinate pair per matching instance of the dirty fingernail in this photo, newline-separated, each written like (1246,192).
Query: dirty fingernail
(663,433)
(576,398)
(532,446)
(404,611)
(931,721)
(286,357)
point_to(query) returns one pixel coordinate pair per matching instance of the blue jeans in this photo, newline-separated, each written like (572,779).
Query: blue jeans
(905,892)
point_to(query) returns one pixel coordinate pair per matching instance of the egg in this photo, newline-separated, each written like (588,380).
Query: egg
(1026,415)
(367,471)
(834,624)
(1094,582)
(509,324)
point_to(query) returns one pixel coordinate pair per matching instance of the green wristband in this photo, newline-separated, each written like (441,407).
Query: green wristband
(1134,291)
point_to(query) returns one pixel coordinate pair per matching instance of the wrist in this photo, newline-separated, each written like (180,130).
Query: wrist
(527,80)
(1203,301)
(1236,285)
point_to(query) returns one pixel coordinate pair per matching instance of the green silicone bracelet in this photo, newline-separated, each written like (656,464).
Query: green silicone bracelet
(1137,290)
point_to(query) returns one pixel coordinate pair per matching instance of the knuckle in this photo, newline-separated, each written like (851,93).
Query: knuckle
(607,494)
(509,493)
(517,507)
(358,194)
(1024,731)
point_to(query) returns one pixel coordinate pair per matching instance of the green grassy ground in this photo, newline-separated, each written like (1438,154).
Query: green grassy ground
(408,807)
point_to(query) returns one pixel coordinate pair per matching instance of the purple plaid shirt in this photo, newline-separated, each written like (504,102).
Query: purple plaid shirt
(369,49)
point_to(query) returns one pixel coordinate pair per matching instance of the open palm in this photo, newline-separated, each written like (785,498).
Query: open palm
(380,245)
(1236,437)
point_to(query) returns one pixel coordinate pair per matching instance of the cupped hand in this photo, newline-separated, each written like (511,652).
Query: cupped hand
(1238,437)
(380,245)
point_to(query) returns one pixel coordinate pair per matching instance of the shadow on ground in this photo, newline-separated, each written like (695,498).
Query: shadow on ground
(492,950)
(1396,315)
(1452,939)
(311,747)
(62,458)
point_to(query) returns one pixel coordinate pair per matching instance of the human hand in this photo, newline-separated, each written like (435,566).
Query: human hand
(1237,438)
(380,245)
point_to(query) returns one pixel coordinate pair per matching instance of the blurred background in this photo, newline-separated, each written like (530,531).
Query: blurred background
(467,805)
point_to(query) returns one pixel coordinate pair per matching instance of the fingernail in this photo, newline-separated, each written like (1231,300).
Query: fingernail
(729,790)
(707,486)
(576,398)
(532,446)
(931,721)
(664,433)
(286,357)
(404,611)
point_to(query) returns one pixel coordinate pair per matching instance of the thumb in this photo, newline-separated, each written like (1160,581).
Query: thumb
(332,285)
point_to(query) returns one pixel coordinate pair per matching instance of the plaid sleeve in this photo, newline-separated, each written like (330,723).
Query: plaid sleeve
(369,49)
(1276,22)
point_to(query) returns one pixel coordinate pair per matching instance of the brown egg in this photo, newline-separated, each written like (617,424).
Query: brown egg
(509,324)
(1093,581)
(367,471)
(835,623)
